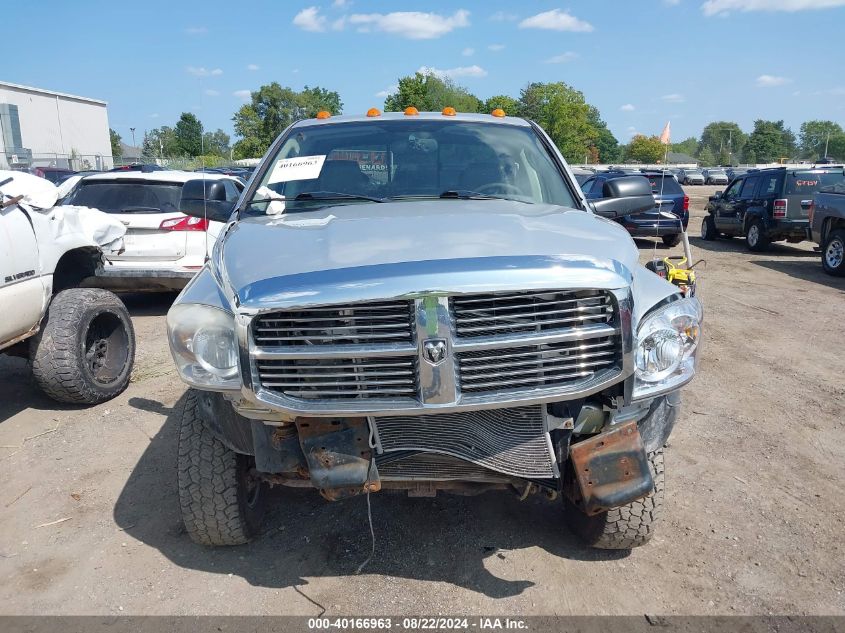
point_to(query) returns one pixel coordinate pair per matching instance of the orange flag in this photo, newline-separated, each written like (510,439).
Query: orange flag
(665,136)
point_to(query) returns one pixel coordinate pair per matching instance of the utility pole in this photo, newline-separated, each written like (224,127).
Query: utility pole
(132,129)
(827,140)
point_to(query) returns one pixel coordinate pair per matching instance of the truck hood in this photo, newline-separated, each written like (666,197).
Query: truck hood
(420,246)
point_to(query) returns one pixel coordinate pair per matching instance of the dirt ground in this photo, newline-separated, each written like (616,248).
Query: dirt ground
(752,525)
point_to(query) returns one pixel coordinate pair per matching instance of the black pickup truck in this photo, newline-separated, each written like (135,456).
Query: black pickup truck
(827,225)
(768,205)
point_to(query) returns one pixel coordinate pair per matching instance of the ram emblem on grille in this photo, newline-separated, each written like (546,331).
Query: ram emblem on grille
(434,350)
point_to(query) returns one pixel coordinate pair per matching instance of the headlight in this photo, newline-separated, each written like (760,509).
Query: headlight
(666,354)
(202,340)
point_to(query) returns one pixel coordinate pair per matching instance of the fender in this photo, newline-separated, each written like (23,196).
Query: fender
(754,213)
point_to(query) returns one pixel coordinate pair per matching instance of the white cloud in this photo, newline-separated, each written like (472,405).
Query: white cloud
(628,107)
(202,71)
(154,115)
(252,66)
(196,30)
(501,16)
(310,20)
(563,58)
(771,81)
(212,93)
(340,4)
(242,94)
(451,73)
(721,7)
(671,3)
(632,131)
(468,52)
(556,20)
(413,25)
(673,98)
(387,91)
(496,47)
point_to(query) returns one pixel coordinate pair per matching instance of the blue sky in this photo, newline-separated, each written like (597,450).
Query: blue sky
(640,62)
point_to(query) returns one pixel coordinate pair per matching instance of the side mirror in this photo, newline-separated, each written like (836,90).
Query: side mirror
(717,195)
(203,198)
(624,196)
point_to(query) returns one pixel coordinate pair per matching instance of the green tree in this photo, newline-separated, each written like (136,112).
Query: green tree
(116,149)
(723,138)
(506,103)
(271,109)
(216,143)
(836,147)
(606,145)
(771,140)
(688,146)
(706,157)
(429,93)
(645,149)
(815,135)
(564,113)
(161,142)
(749,157)
(188,133)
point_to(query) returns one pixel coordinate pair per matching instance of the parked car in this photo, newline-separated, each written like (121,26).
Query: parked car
(691,177)
(735,172)
(715,176)
(79,341)
(461,320)
(582,175)
(143,167)
(767,205)
(164,247)
(670,215)
(53,174)
(827,227)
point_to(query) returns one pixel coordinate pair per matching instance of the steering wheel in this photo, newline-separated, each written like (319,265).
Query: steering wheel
(500,187)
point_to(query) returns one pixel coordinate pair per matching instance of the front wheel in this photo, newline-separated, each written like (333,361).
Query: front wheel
(708,229)
(625,527)
(222,500)
(86,347)
(833,253)
(756,237)
(672,240)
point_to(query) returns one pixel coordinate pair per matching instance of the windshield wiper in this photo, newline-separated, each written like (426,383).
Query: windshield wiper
(465,194)
(334,195)
(140,210)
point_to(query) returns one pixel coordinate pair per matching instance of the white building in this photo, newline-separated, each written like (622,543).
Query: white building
(46,128)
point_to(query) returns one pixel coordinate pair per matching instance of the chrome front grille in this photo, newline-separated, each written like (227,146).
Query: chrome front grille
(383,322)
(549,365)
(344,378)
(525,312)
(433,467)
(509,441)
(449,353)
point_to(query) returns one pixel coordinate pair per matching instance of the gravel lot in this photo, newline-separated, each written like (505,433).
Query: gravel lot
(753,521)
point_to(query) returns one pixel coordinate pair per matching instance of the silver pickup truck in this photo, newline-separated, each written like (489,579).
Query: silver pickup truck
(425,302)
(827,227)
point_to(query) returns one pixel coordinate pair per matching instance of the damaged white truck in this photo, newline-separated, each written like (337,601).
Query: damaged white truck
(426,302)
(80,341)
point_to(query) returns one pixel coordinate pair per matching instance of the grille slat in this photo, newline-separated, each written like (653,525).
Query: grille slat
(584,349)
(517,323)
(504,317)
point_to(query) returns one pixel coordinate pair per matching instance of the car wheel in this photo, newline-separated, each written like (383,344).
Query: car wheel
(756,237)
(708,229)
(625,527)
(222,501)
(672,240)
(833,253)
(86,347)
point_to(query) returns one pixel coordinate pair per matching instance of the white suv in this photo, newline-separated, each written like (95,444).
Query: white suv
(164,248)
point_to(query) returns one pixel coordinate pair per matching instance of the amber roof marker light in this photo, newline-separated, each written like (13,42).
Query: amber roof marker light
(372,112)
(322,114)
(411,111)
(449,111)
(498,112)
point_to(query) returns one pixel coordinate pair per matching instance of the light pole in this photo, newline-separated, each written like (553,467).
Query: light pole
(132,129)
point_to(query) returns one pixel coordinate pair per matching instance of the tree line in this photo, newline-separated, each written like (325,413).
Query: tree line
(574,125)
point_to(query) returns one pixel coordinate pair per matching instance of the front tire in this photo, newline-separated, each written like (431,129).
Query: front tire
(833,253)
(628,526)
(708,229)
(222,501)
(86,347)
(672,240)
(756,237)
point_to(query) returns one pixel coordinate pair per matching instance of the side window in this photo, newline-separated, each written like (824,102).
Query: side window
(748,188)
(733,191)
(587,185)
(232,193)
(770,186)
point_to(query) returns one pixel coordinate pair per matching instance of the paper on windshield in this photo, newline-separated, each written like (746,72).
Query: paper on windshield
(300,168)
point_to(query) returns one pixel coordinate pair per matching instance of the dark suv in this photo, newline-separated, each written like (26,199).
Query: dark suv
(671,211)
(767,205)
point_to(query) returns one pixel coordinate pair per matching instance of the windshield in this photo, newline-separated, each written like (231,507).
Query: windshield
(694,172)
(664,184)
(120,196)
(716,172)
(809,182)
(339,163)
